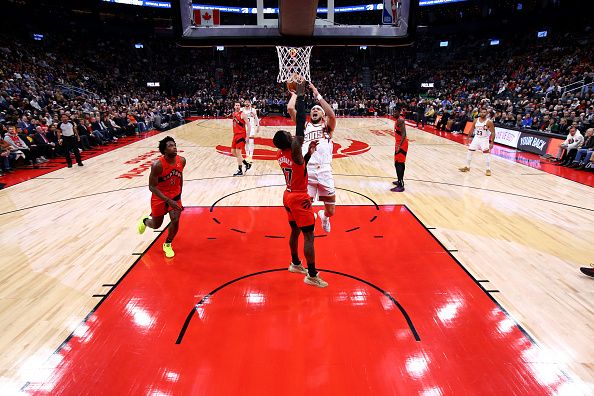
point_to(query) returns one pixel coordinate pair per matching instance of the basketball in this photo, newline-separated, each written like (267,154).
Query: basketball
(295,79)
(292,86)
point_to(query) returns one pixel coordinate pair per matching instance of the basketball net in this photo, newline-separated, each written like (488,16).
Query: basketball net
(293,63)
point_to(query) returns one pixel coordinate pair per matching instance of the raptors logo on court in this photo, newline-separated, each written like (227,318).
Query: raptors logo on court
(355,148)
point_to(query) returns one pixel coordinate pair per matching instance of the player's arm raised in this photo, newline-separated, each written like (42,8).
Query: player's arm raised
(330,116)
(156,170)
(297,103)
(291,106)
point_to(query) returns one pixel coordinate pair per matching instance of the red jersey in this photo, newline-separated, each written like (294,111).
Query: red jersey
(398,132)
(171,178)
(238,124)
(295,175)
(402,144)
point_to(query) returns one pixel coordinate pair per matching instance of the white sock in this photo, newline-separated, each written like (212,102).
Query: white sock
(468,158)
(487,160)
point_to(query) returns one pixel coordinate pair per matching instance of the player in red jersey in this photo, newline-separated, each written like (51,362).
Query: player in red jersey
(400,150)
(240,121)
(165,182)
(296,199)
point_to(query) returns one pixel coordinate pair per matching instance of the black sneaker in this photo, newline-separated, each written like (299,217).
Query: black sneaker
(70,165)
(248,165)
(238,173)
(588,271)
(80,164)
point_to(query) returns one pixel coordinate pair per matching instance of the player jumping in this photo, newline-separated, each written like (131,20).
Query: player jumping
(320,128)
(296,199)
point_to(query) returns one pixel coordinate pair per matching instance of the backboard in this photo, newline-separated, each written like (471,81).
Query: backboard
(389,23)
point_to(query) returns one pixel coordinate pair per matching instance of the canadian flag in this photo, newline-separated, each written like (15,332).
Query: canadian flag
(206,17)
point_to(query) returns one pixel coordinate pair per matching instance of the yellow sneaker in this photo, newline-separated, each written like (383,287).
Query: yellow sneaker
(488,172)
(141,225)
(464,169)
(168,250)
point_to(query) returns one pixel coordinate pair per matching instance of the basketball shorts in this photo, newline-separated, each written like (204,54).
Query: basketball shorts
(161,208)
(400,155)
(238,142)
(320,182)
(298,207)
(479,143)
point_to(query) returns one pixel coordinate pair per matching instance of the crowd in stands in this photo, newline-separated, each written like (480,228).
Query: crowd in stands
(101,87)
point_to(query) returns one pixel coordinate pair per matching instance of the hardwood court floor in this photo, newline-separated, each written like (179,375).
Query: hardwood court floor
(524,231)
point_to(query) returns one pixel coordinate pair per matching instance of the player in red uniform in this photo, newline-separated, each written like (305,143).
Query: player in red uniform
(239,135)
(399,150)
(165,182)
(296,199)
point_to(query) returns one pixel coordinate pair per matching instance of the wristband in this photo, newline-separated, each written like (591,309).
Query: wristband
(319,97)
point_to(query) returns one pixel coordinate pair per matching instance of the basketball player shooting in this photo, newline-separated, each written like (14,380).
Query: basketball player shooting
(295,198)
(483,131)
(165,182)
(320,128)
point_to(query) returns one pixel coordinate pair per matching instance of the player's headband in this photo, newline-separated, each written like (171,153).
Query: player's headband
(319,108)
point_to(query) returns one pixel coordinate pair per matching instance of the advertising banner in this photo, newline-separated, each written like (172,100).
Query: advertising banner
(507,137)
(533,143)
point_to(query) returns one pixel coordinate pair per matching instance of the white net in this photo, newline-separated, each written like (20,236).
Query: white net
(293,63)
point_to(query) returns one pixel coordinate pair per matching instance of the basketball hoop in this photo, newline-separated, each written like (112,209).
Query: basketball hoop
(293,64)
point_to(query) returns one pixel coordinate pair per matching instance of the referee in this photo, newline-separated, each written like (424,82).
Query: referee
(68,138)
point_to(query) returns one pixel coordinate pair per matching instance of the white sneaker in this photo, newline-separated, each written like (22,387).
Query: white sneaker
(298,269)
(325,220)
(315,281)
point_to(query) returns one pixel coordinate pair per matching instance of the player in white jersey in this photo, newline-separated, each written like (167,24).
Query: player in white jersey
(252,128)
(483,131)
(320,127)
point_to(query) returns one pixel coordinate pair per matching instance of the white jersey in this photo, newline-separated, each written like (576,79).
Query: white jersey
(323,153)
(253,120)
(481,130)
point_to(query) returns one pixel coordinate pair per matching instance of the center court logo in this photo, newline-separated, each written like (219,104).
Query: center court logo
(355,148)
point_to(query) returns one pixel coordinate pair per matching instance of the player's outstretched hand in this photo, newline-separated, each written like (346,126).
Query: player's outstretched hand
(312,147)
(314,90)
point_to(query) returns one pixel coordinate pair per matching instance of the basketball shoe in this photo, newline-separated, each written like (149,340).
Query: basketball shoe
(325,220)
(315,281)
(588,270)
(297,269)
(464,169)
(488,172)
(141,225)
(168,250)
